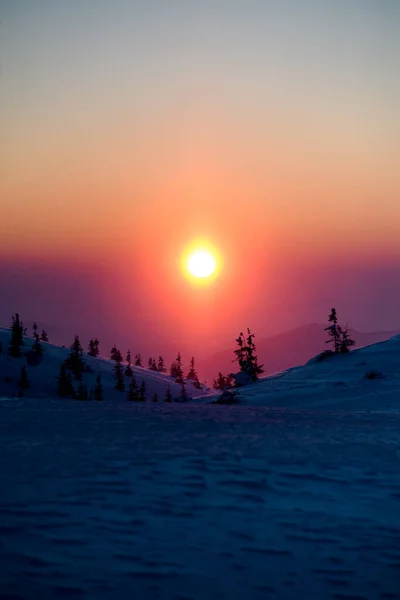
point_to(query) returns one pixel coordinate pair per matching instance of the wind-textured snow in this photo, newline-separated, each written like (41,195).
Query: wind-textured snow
(295,493)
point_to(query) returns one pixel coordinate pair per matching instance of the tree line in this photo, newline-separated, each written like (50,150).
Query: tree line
(123,375)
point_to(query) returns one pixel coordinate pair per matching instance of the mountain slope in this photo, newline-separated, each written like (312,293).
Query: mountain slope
(367,378)
(43,377)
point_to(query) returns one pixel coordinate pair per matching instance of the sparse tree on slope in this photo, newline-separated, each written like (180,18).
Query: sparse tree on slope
(17,333)
(98,390)
(118,371)
(192,375)
(222,382)
(115,354)
(74,361)
(65,389)
(168,395)
(334,331)
(132,394)
(43,336)
(153,365)
(161,365)
(37,346)
(138,360)
(128,368)
(82,392)
(246,355)
(142,392)
(94,347)
(346,341)
(23,382)
(176,370)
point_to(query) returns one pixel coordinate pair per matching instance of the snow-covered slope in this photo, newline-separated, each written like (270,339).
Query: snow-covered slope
(43,377)
(365,379)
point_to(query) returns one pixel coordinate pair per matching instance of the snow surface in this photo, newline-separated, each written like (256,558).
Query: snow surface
(295,493)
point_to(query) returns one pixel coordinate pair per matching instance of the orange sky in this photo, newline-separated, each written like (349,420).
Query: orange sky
(270,130)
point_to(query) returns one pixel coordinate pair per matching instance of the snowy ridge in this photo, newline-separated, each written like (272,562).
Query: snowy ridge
(341,382)
(43,377)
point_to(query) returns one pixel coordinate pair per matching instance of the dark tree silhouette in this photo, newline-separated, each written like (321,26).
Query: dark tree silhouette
(142,392)
(115,354)
(176,370)
(43,336)
(65,389)
(17,334)
(150,363)
(246,355)
(168,395)
(132,394)
(334,331)
(82,392)
(155,397)
(74,361)
(94,347)
(192,375)
(161,365)
(346,341)
(118,371)
(37,346)
(138,360)
(183,397)
(98,392)
(23,382)
(128,368)
(153,365)
(222,382)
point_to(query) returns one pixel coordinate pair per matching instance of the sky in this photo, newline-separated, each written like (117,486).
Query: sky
(269,128)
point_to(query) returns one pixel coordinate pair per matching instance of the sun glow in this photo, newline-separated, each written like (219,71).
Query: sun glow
(201,262)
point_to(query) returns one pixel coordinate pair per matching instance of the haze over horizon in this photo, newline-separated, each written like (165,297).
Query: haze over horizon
(128,129)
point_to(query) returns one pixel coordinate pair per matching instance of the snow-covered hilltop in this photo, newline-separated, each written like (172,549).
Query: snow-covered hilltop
(364,379)
(43,376)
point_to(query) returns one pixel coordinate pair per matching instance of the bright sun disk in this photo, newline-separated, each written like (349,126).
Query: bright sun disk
(201,264)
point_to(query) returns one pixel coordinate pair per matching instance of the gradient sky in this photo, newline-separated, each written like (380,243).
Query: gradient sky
(271,127)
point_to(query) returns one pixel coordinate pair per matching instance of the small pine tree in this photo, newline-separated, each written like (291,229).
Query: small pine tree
(43,336)
(153,365)
(346,342)
(161,365)
(115,354)
(94,347)
(222,382)
(155,397)
(142,392)
(74,361)
(246,355)
(132,394)
(37,346)
(17,334)
(334,331)
(23,382)
(168,395)
(128,368)
(138,360)
(176,370)
(150,363)
(98,390)
(82,392)
(118,371)
(192,375)
(65,389)
(183,395)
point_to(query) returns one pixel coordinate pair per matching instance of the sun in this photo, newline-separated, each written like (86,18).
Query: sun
(201,264)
